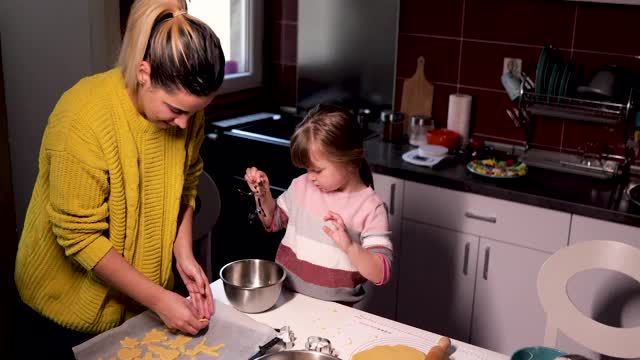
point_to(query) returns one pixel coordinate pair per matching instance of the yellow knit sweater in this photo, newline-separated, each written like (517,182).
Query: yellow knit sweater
(107,179)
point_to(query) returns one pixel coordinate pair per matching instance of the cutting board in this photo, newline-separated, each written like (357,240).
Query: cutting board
(240,334)
(417,95)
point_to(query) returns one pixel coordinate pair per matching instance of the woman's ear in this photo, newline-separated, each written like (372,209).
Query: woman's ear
(143,73)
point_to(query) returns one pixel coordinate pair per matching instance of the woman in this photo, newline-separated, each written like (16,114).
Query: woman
(113,201)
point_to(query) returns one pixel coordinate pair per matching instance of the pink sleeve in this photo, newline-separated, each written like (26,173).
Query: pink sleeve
(386,269)
(278,221)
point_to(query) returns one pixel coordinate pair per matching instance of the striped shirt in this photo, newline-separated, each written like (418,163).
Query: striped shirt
(315,265)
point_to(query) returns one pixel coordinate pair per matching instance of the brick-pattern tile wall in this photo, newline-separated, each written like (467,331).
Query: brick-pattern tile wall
(464,43)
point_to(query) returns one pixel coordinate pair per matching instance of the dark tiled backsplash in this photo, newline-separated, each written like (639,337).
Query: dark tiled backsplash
(464,43)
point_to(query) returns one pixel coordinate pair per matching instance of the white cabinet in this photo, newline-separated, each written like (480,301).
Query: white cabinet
(437,279)
(609,297)
(506,312)
(469,266)
(381,300)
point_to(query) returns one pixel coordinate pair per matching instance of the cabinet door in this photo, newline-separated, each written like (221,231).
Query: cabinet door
(437,277)
(507,314)
(606,296)
(381,300)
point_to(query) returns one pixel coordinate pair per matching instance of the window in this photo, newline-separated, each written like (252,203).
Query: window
(238,24)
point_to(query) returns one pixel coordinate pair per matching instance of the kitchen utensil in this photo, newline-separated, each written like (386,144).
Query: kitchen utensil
(432,150)
(393,127)
(536,353)
(414,157)
(252,285)
(445,137)
(417,94)
(298,355)
(420,124)
(283,341)
(316,348)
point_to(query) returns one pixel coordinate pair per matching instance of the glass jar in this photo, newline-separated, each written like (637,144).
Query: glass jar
(418,128)
(393,126)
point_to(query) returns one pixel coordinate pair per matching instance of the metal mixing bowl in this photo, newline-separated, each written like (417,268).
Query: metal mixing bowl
(252,285)
(298,355)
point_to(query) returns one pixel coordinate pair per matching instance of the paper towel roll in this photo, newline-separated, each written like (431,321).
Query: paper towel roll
(459,117)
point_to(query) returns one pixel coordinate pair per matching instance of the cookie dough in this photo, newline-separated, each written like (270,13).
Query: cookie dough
(384,352)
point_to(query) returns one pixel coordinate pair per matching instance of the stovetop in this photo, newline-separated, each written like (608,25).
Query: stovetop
(267,127)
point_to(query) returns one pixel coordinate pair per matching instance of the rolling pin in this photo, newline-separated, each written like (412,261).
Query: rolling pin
(439,352)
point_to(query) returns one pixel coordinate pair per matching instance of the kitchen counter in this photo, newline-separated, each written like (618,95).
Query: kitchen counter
(600,199)
(349,330)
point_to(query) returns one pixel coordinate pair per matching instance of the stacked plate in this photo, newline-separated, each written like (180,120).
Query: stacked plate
(553,76)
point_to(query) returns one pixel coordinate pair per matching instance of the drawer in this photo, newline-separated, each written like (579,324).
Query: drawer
(530,226)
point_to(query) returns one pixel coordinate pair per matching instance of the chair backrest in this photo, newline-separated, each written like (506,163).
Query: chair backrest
(564,316)
(204,219)
(208,206)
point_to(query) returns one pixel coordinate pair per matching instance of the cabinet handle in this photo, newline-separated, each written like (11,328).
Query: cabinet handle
(485,272)
(392,200)
(465,266)
(470,215)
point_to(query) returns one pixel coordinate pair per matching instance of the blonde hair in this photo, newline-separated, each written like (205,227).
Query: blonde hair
(183,52)
(335,130)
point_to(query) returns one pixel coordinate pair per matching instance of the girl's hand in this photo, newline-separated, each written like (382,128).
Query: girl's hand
(258,181)
(339,235)
(178,313)
(197,284)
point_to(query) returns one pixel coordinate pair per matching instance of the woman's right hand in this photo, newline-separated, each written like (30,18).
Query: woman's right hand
(178,313)
(257,180)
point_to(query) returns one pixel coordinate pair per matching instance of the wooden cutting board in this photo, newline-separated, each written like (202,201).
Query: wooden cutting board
(417,95)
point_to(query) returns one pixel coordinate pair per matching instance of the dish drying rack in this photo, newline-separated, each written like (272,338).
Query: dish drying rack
(606,113)
(603,112)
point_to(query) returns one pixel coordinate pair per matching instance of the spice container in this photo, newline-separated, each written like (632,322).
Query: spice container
(392,126)
(420,125)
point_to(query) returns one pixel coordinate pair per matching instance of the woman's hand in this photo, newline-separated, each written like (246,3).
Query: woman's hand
(339,235)
(258,182)
(179,313)
(197,284)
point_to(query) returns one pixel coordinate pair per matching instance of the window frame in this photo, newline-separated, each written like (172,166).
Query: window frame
(255,36)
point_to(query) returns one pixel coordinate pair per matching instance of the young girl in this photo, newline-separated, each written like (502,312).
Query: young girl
(337,231)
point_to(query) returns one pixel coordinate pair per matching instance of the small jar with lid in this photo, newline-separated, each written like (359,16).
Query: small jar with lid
(419,126)
(393,126)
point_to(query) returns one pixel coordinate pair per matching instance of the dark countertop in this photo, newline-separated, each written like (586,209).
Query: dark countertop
(581,195)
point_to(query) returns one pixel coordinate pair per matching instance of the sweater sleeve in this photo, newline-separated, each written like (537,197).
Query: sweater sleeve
(78,191)
(376,238)
(194,161)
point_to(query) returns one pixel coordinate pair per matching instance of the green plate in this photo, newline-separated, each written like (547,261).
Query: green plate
(540,70)
(497,169)
(554,81)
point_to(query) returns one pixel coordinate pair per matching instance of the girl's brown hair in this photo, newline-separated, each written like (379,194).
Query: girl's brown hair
(183,52)
(337,132)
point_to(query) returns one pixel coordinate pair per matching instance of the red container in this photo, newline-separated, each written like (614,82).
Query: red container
(445,137)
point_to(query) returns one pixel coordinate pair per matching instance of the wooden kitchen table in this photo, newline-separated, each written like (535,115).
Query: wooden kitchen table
(349,330)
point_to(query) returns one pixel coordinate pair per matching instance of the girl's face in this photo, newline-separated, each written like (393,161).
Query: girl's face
(165,109)
(328,175)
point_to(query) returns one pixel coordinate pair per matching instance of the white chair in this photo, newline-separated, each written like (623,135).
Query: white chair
(204,219)
(563,316)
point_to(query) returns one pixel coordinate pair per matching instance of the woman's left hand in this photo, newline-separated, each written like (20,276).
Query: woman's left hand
(339,235)
(197,284)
